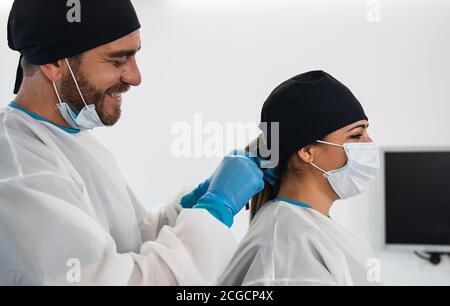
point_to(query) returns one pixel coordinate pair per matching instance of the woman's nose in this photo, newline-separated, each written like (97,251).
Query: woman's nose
(367,137)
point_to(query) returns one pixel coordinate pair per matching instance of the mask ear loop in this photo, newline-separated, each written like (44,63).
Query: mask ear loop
(325,174)
(57,94)
(330,143)
(76,83)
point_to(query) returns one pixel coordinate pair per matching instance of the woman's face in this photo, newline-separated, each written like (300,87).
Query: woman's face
(330,157)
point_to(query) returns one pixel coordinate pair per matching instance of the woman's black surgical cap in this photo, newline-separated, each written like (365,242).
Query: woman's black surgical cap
(308,107)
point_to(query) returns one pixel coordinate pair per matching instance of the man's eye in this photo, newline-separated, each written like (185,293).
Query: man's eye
(119,62)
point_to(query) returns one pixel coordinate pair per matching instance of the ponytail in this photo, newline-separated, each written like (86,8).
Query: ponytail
(269,192)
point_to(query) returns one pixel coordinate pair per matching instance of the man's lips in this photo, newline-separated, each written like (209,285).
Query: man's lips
(115,97)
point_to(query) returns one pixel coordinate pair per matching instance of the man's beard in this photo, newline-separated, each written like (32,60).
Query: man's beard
(92,95)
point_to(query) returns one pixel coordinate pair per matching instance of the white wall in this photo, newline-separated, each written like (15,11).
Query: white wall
(221,59)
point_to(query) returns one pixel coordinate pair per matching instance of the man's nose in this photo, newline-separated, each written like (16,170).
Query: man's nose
(131,75)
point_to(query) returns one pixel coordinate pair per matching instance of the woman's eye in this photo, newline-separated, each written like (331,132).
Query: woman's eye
(356,136)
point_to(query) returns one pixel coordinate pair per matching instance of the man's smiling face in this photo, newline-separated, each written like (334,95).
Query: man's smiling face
(103,75)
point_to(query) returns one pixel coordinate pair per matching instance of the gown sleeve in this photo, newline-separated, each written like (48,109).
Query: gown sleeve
(49,238)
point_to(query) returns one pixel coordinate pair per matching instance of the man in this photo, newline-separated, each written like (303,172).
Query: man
(67,216)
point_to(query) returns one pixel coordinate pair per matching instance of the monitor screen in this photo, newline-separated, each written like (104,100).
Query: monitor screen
(417,198)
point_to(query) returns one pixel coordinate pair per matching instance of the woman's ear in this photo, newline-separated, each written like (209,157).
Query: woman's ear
(53,71)
(306,154)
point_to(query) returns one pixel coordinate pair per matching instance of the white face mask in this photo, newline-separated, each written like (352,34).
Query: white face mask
(361,168)
(87,119)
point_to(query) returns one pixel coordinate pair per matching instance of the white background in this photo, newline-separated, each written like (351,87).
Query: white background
(222,58)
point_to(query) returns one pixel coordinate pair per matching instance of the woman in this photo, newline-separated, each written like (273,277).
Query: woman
(325,154)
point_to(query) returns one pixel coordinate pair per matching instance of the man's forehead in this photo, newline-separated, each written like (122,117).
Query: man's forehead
(130,42)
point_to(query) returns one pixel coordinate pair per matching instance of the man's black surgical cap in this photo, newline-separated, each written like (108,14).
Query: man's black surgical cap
(44,31)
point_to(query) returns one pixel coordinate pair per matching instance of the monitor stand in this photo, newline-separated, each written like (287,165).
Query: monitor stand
(432,257)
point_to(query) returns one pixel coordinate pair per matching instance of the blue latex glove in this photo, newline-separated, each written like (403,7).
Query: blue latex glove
(191,199)
(236,180)
(269,173)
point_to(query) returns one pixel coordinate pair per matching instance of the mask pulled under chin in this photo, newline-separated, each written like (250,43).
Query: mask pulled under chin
(86,119)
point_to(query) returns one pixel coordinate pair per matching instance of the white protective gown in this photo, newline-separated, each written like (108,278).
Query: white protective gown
(64,204)
(292,245)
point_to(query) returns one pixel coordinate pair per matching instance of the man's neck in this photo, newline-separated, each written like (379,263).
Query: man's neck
(40,102)
(308,192)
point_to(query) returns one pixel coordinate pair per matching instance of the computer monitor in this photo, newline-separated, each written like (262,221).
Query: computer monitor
(416,186)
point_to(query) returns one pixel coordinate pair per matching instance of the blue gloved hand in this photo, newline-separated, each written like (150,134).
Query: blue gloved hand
(236,180)
(191,199)
(269,173)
